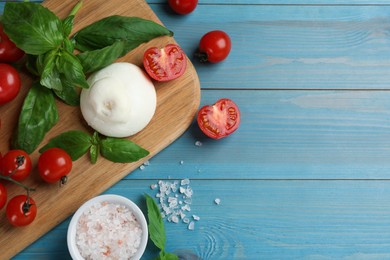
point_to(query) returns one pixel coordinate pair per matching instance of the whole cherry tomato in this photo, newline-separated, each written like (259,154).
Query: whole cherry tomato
(8,50)
(9,83)
(16,164)
(219,120)
(165,64)
(21,210)
(3,195)
(214,46)
(183,6)
(54,164)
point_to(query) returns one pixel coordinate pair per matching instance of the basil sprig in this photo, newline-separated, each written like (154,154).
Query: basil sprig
(46,40)
(157,230)
(77,143)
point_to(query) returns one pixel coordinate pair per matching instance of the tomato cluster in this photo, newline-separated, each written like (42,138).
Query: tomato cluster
(54,165)
(222,118)
(9,77)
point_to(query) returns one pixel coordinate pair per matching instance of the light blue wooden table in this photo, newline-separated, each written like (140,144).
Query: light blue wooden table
(307,174)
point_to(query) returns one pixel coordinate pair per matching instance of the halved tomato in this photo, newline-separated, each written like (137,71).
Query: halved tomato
(165,64)
(219,120)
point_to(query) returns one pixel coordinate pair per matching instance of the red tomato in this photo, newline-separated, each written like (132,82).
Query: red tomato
(220,119)
(54,164)
(183,6)
(8,50)
(9,83)
(165,64)
(3,195)
(16,164)
(21,210)
(214,46)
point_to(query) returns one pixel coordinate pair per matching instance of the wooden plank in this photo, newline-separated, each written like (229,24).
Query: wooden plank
(291,47)
(268,220)
(175,99)
(287,135)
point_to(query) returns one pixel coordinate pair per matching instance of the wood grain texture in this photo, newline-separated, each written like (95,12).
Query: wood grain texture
(175,99)
(268,220)
(287,135)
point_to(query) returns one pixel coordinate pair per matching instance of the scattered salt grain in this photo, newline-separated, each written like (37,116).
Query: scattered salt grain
(198,143)
(195,217)
(181,162)
(142,167)
(191,226)
(217,201)
(108,230)
(173,206)
(153,186)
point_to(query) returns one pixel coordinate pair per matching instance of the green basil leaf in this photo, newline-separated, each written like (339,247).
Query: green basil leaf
(170,256)
(76,143)
(67,25)
(32,27)
(72,70)
(105,32)
(156,224)
(38,115)
(69,93)
(50,76)
(121,150)
(94,153)
(97,59)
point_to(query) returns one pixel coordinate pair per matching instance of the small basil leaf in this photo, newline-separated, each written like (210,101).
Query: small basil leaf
(69,93)
(156,224)
(70,67)
(67,25)
(50,76)
(38,115)
(105,32)
(94,153)
(170,256)
(76,143)
(121,150)
(32,27)
(97,59)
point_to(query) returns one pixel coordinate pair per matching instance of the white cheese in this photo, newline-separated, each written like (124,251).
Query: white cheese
(120,101)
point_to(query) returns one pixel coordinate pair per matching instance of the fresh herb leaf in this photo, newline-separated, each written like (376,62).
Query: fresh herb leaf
(97,59)
(32,27)
(105,32)
(50,76)
(70,67)
(156,224)
(74,142)
(121,150)
(170,256)
(69,93)
(39,114)
(67,25)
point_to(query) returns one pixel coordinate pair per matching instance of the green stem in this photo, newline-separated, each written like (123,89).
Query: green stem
(76,8)
(7,178)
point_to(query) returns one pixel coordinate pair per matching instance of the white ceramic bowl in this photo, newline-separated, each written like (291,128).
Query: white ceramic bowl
(71,237)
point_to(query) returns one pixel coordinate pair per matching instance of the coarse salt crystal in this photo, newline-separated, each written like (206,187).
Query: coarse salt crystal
(217,201)
(108,230)
(198,143)
(191,226)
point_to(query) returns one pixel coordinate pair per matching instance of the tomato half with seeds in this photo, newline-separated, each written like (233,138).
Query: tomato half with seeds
(10,83)
(219,120)
(16,164)
(21,210)
(165,64)
(3,195)
(54,165)
(8,50)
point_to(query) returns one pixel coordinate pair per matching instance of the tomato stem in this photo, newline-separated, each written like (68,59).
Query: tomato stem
(201,56)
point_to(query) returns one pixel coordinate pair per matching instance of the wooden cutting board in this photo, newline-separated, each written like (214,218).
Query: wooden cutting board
(177,103)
